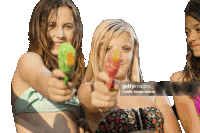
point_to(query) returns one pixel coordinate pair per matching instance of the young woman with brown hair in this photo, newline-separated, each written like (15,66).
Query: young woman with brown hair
(41,101)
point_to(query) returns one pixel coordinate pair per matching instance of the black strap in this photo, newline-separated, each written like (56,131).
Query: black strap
(143,119)
(175,112)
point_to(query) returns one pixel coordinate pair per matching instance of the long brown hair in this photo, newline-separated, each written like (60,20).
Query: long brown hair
(41,43)
(191,71)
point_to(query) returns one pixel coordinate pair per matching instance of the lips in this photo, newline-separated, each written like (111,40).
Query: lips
(196,45)
(57,44)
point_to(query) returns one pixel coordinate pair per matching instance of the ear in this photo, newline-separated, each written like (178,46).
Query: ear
(135,77)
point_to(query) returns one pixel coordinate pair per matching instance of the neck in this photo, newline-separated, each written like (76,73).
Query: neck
(197,62)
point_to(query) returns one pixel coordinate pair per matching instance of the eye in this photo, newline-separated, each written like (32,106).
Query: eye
(187,33)
(108,49)
(126,49)
(198,30)
(68,26)
(52,25)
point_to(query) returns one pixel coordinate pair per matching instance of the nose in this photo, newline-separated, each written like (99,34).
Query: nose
(193,36)
(121,59)
(60,34)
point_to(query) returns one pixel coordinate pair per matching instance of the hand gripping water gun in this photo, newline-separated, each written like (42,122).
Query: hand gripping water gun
(112,65)
(66,59)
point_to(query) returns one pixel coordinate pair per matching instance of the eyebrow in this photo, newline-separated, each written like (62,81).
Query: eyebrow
(193,26)
(69,23)
(55,22)
(122,46)
(64,24)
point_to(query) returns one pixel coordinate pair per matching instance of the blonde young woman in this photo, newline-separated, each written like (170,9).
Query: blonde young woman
(107,111)
(40,100)
(187,108)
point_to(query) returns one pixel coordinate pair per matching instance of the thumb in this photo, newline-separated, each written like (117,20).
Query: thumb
(116,87)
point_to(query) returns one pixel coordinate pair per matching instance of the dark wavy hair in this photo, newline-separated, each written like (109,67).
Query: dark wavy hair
(191,71)
(41,43)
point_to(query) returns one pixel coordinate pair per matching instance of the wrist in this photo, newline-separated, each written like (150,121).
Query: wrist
(104,112)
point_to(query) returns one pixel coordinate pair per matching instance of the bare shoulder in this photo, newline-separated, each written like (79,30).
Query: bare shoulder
(30,57)
(177,77)
(30,66)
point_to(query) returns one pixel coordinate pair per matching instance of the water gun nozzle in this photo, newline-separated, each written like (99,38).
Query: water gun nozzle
(116,55)
(70,58)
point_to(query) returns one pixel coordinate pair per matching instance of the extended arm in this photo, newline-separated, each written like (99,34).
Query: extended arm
(33,71)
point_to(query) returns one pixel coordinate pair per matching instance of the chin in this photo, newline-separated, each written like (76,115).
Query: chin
(196,54)
(121,75)
(54,52)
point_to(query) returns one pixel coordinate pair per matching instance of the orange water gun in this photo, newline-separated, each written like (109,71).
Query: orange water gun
(112,65)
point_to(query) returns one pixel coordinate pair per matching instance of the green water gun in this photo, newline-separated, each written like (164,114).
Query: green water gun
(66,59)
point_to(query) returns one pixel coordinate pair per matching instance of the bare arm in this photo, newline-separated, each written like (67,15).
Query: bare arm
(33,71)
(187,114)
(186,109)
(171,124)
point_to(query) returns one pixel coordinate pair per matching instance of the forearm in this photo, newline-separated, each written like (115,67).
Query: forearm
(187,113)
(195,128)
(188,117)
(171,124)
(41,83)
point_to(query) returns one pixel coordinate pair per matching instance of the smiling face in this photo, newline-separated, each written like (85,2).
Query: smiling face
(61,28)
(192,30)
(126,44)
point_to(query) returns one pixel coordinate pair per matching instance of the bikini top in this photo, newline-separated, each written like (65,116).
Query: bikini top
(197,103)
(129,120)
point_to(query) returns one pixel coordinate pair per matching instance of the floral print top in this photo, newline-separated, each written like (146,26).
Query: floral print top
(129,120)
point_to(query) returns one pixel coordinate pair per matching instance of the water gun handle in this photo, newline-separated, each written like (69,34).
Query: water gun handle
(66,59)
(112,65)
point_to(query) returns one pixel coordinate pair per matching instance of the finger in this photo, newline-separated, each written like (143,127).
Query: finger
(58,73)
(103,89)
(102,104)
(57,98)
(101,97)
(61,92)
(115,88)
(70,84)
(102,76)
(59,84)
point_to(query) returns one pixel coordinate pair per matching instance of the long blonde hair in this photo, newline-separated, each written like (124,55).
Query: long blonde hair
(101,38)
